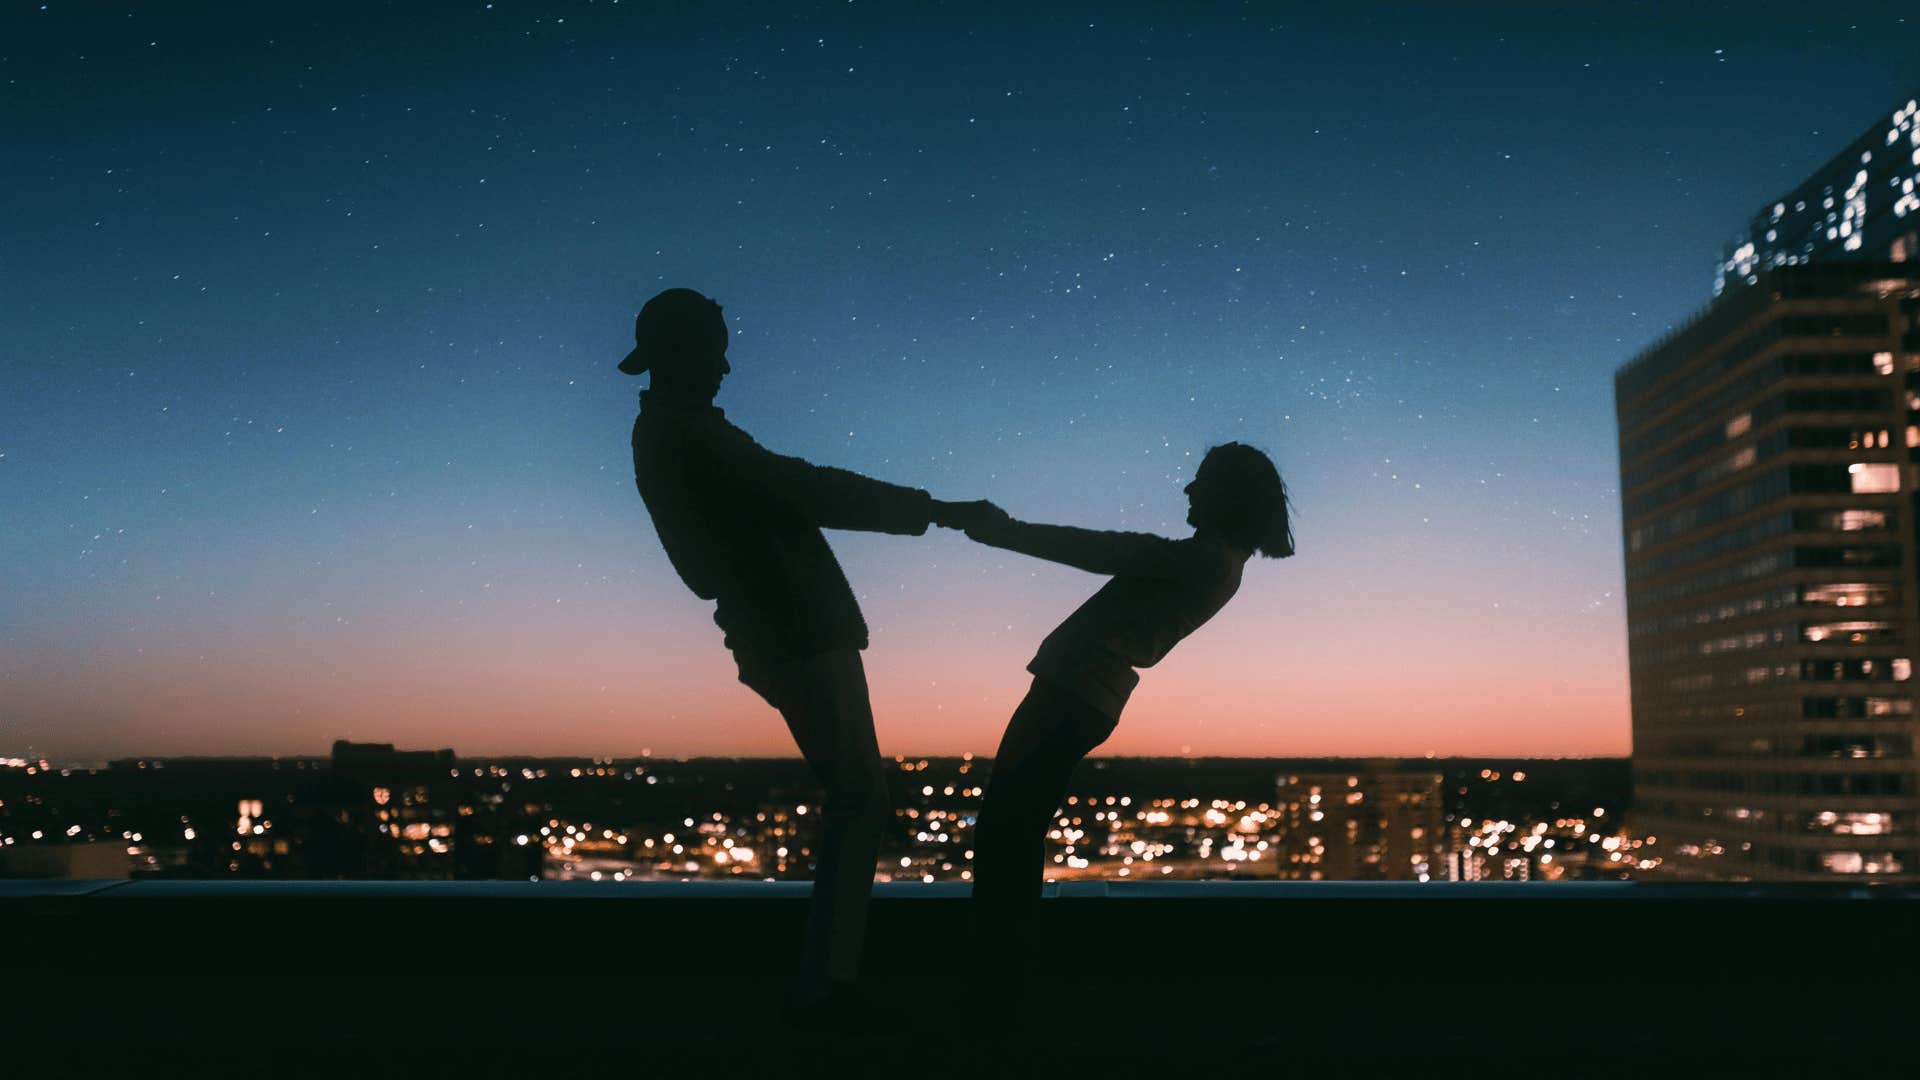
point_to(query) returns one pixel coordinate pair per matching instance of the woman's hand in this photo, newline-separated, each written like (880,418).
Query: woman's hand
(969,516)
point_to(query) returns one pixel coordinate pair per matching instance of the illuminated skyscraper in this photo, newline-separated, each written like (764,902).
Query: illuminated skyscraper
(1768,491)
(1860,205)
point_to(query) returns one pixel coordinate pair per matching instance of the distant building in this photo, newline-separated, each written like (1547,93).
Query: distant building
(259,847)
(489,846)
(1768,491)
(1375,823)
(1862,205)
(786,838)
(1470,865)
(99,859)
(387,813)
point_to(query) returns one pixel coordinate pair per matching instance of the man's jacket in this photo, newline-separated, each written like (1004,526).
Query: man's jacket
(742,524)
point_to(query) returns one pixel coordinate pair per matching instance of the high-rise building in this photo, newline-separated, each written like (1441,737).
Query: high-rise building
(1768,492)
(1861,205)
(1377,823)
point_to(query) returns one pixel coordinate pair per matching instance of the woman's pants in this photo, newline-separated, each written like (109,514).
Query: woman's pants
(1049,733)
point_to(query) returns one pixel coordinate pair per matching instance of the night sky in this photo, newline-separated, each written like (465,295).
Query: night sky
(311,428)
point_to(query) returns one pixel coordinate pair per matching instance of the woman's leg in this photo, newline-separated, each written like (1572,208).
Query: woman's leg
(824,702)
(1048,735)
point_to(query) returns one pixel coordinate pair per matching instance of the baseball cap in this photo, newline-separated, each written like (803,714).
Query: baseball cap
(675,321)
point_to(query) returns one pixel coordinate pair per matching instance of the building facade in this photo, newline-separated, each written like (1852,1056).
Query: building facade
(386,813)
(1862,205)
(1768,483)
(1372,824)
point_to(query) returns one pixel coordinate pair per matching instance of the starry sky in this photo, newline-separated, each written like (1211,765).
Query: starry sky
(311,428)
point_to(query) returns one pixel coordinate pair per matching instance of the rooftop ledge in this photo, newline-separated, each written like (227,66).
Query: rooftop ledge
(1130,978)
(1503,931)
(1195,891)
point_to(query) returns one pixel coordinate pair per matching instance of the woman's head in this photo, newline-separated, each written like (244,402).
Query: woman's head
(1238,493)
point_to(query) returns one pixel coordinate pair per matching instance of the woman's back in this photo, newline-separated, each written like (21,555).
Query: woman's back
(1162,590)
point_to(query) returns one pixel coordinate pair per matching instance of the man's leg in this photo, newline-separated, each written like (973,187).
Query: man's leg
(824,702)
(1048,735)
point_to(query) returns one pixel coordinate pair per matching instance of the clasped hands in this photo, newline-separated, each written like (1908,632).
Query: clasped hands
(969,517)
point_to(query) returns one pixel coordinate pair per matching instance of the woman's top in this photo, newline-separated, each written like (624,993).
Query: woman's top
(1162,590)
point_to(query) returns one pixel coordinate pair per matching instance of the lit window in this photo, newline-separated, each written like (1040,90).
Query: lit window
(1854,633)
(1843,862)
(1852,823)
(1847,594)
(1861,520)
(1874,477)
(1854,862)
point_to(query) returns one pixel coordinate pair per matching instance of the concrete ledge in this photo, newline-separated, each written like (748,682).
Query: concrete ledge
(1129,979)
(1292,891)
(1532,930)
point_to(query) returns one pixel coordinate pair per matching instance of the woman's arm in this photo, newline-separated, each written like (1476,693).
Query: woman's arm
(1111,553)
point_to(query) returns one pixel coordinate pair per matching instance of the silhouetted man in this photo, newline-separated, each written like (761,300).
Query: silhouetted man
(741,525)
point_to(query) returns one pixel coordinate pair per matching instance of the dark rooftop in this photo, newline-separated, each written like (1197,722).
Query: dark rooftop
(650,979)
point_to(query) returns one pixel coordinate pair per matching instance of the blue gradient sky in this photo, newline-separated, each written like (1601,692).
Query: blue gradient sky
(311,426)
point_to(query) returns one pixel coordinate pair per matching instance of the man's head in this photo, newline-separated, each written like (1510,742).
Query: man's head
(681,337)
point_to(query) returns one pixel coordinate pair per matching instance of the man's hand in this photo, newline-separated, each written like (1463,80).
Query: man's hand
(968,516)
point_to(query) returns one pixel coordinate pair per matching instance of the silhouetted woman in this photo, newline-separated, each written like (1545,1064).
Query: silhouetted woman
(1162,590)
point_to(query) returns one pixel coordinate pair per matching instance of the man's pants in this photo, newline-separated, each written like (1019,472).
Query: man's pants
(823,699)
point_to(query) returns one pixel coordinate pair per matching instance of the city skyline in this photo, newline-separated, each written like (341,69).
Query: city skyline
(320,435)
(369,810)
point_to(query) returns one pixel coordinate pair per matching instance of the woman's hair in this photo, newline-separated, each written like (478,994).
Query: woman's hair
(1252,510)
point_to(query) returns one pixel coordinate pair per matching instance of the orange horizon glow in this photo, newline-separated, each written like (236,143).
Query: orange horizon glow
(945,670)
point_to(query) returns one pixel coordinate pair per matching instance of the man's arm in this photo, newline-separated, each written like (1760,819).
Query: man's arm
(831,498)
(842,499)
